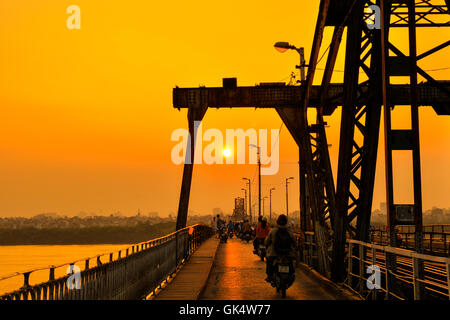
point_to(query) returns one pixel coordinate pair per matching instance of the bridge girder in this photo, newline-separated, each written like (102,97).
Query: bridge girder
(280,95)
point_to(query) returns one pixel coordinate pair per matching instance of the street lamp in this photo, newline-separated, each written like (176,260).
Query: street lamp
(270,204)
(287,203)
(263,204)
(284,46)
(245,200)
(259,177)
(249,182)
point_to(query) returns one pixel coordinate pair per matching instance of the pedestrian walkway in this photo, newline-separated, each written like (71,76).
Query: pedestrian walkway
(192,277)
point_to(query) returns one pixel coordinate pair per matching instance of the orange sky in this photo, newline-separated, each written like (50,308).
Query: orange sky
(87,114)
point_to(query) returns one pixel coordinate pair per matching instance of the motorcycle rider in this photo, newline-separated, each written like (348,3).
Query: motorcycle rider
(255,243)
(262,231)
(220,224)
(237,227)
(246,227)
(230,227)
(280,242)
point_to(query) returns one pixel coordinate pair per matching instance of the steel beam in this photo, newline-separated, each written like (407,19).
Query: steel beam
(194,114)
(275,96)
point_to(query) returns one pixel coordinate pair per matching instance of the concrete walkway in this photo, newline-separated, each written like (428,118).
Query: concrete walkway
(193,276)
(238,274)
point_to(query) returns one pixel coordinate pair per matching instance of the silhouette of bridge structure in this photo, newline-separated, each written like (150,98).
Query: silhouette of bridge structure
(335,239)
(373,62)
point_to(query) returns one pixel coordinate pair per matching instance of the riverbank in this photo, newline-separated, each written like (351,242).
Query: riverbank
(90,235)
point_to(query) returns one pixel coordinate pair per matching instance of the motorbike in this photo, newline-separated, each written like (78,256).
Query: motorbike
(284,275)
(247,237)
(223,236)
(260,249)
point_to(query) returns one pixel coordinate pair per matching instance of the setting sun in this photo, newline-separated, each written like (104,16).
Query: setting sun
(226,152)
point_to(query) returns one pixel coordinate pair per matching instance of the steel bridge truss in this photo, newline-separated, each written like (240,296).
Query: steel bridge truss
(335,213)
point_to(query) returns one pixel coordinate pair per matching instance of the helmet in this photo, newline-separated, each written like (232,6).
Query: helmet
(282,220)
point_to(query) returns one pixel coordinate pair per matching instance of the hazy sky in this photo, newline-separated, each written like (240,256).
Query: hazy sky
(87,114)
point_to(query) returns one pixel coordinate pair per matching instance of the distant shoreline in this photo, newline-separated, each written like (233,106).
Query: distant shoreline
(66,244)
(85,236)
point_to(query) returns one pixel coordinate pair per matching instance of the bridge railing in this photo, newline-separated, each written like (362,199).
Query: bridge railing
(373,274)
(436,238)
(307,248)
(131,273)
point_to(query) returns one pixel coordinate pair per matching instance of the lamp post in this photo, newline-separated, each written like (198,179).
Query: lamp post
(284,46)
(263,205)
(249,182)
(287,202)
(245,200)
(270,204)
(259,176)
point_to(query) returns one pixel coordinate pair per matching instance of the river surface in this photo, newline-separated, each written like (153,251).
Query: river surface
(24,258)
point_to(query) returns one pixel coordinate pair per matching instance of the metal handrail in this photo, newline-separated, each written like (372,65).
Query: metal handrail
(435,280)
(127,277)
(362,254)
(435,242)
(93,257)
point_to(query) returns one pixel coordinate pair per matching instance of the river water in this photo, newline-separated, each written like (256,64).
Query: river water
(24,258)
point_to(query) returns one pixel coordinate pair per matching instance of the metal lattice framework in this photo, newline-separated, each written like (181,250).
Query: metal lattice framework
(370,60)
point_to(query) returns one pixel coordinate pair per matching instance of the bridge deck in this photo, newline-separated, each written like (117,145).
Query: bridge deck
(238,274)
(190,280)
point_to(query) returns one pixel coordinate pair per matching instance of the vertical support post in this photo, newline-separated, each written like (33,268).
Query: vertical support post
(361,267)
(448,279)
(350,264)
(305,143)
(194,114)
(431,242)
(374,263)
(302,185)
(51,276)
(416,277)
(351,76)
(415,127)
(445,245)
(388,278)
(417,185)
(26,279)
(176,250)
(385,8)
